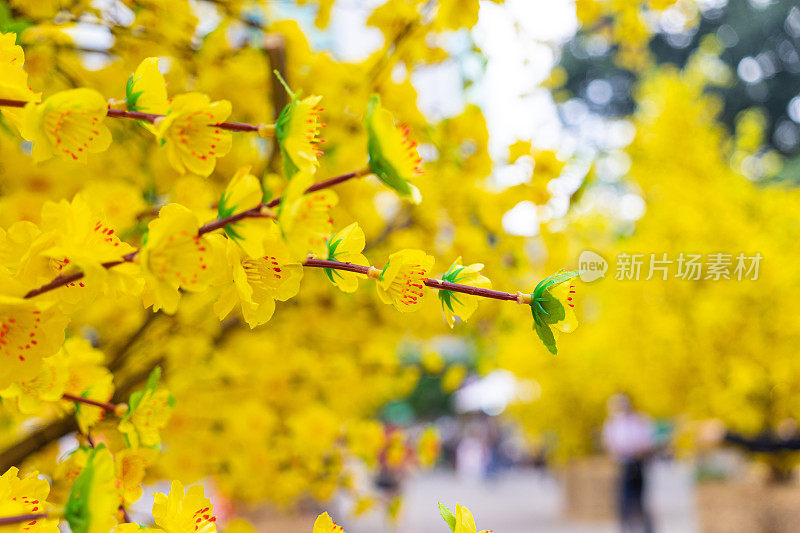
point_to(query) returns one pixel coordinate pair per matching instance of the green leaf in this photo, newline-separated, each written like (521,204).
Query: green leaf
(448,516)
(544,332)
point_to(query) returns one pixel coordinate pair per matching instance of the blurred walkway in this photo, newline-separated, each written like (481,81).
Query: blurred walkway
(526,502)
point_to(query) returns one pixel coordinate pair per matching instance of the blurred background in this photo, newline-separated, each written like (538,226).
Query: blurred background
(657,140)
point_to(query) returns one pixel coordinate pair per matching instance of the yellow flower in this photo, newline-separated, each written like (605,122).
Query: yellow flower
(131,466)
(402,282)
(25,495)
(258,281)
(13,79)
(325,524)
(305,219)
(553,306)
(428,447)
(146,90)
(242,193)
(182,513)
(94,498)
(193,142)
(47,386)
(174,257)
(346,246)
(460,522)
(148,413)
(29,332)
(457,304)
(68,124)
(393,157)
(87,377)
(297,132)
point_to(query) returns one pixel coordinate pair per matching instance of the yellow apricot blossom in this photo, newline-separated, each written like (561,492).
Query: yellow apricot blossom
(87,377)
(29,332)
(179,512)
(242,193)
(146,91)
(460,522)
(325,524)
(47,386)
(148,413)
(256,282)
(459,304)
(174,257)
(68,124)
(402,282)
(305,218)
(131,467)
(393,157)
(297,132)
(346,246)
(13,79)
(189,133)
(25,495)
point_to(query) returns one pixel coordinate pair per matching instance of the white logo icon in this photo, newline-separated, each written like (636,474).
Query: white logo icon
(592,266)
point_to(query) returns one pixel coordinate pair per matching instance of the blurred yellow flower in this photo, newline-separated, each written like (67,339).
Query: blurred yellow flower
(68,124)
(94,498)
(26,495)
(148,413)
(13,79)
(305,218)
(325,524)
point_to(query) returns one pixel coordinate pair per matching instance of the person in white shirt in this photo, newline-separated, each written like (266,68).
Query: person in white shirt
(630,438)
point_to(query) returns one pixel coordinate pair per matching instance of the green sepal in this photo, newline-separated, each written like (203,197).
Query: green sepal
(132,97)
(553,309)
(446,297)
(448,516)
(544,332)
(136,397)
(289,168)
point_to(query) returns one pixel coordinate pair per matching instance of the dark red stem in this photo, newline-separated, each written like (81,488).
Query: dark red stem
(8,520)
(147,117)
(80,399)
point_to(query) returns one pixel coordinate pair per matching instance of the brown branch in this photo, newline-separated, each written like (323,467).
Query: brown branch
(19,519)
(88,401)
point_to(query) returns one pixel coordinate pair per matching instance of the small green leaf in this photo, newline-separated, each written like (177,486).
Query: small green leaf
(544,332)
(448,516)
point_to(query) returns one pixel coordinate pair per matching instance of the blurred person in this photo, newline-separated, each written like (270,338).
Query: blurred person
(629,437)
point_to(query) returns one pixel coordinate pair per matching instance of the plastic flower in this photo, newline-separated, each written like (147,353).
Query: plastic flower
(459,304)
(148,413)
(182,513)
(94,499)
(174,257)
(305,219)
(193,143)
(402,282)
(27,495)
(325,524)
(346,246)
(393,157)
(553,308)
(460,522)
(146,90)
(68,124)
(258,281)
(297,132)
(29,332)
(13,79)
(242,193)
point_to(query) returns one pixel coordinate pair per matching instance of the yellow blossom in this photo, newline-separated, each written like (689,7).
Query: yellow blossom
(29,332)
(402,282)
(393,157)
(242,193)
(27,495)
(325,524)
(68,124)
(457,304)
(174,257)
(131,467)
(188,130)
(460,522)
(305,218)
(256,282)
(47,386)
(87,377)
(13,79)
(179,512)
(297,132)
(346,246)
(146,91)
(148,413)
